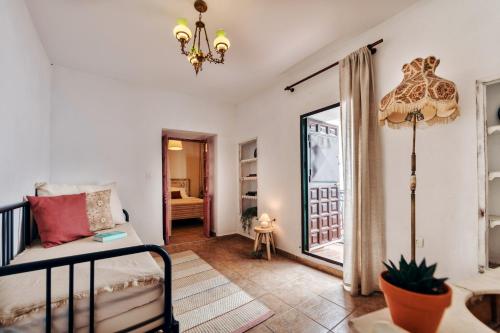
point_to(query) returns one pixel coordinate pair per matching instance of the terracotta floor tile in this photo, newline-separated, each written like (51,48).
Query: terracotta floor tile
(293,293)
(274,303)
(262,328)
(322,311)
(338,295)
(343,327)
(289,271)
(293,321)
(320,282)
(251,288)
(267,280)
(185,231)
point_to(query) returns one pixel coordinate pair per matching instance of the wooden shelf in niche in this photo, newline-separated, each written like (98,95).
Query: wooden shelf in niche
(493,175)
(249,197)
(248,178)
(494,220)
(493,129)
(249,160)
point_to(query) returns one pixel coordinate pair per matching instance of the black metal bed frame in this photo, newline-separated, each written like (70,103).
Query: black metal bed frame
(28,233)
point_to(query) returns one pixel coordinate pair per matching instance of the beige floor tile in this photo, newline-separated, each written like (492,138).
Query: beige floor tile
(293,293)
(251,287)
(343,327)
(289,271)
(338,295)
(320,282)
(274,303)
(365,304)
(267,280)
(262,328)
(294,322)
(322,311)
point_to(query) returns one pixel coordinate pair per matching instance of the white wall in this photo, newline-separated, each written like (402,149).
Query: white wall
(464,35)
(25,76)
(104,129)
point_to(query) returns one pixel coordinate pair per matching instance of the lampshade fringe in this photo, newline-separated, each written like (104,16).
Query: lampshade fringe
(440,106)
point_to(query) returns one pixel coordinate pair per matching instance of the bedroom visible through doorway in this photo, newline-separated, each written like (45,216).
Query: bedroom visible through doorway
(322,185)
(186,187)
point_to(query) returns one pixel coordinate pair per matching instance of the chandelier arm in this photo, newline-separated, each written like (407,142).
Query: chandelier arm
(183,48)
(219,60)
(194,38)
(198,30)
(209,54)
(199,40)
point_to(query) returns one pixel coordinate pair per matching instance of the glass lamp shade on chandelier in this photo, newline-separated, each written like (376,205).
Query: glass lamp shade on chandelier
(196,56)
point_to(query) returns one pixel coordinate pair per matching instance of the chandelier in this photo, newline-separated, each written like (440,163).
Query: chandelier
(195,55)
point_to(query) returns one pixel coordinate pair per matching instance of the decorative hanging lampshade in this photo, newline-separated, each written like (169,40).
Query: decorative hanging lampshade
(174,145)
(422,92)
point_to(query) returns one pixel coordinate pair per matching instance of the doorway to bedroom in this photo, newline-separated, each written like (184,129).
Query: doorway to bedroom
(322,184)
(187,195)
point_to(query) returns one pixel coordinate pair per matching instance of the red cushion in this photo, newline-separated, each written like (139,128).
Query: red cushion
(60,219)
(176,195)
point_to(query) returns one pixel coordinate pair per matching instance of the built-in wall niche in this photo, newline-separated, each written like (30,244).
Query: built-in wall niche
(489,173)
(493,158)
(248,177)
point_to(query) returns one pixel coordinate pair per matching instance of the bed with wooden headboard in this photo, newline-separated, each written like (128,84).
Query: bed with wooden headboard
(188,207)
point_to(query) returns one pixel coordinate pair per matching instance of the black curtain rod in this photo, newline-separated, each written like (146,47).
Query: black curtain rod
(291,87)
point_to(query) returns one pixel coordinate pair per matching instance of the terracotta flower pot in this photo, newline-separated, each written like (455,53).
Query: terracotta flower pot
(416,313)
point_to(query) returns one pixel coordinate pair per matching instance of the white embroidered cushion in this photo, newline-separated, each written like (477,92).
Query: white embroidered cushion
(46,189)
(99,210)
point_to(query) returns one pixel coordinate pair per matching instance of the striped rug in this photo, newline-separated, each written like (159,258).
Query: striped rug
(205,301)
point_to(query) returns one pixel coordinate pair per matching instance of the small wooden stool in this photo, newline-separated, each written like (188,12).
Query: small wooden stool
(264,235)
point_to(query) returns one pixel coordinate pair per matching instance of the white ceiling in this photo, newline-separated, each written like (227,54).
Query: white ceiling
(132,39)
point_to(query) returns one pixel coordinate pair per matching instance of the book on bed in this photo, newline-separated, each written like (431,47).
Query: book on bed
(109,236)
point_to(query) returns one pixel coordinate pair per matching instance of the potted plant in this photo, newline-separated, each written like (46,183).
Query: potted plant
(247,218)
(416,299)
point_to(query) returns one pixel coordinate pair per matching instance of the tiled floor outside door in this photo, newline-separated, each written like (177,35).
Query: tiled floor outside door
(333,252)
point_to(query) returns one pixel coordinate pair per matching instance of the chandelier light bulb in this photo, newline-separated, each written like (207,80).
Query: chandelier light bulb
(221,42)
(181,31)
(193,58)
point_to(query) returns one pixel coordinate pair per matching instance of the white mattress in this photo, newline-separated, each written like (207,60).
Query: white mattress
(108,305)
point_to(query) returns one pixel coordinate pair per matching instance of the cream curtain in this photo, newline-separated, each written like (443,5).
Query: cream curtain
(364,230)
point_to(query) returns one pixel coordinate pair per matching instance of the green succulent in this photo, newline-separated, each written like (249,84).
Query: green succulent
(416,278)
(247,217)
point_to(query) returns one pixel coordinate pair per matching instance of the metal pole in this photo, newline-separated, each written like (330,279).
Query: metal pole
(291,87)
(413,186)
